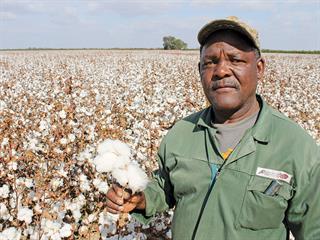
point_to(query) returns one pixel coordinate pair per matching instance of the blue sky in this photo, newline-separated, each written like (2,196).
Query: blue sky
(286,25)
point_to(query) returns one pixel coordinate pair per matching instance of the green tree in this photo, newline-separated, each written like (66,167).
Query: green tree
(170,42)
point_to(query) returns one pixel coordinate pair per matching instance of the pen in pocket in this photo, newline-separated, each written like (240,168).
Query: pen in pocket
(273,188)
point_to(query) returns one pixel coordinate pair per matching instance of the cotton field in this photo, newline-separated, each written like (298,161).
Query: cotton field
(56,107)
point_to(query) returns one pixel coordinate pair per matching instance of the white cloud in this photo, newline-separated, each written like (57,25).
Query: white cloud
(23,6)
(60,13)
(292,30)
(67,15)
(7,16)
(244,4)
(132,8)
(257,5)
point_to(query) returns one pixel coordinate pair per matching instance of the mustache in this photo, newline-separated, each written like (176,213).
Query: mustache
(226,82)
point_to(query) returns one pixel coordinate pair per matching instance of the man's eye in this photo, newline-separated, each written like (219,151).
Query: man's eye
(236,60)
(209,62)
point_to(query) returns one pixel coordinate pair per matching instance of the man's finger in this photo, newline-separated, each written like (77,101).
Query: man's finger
(110,210)
(121,192)
(135,198)
(114,206)
(113,197)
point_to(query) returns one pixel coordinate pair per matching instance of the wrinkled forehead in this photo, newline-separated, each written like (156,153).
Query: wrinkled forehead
(230,37)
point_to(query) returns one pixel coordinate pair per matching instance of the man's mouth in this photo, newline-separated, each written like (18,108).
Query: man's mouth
(224,84)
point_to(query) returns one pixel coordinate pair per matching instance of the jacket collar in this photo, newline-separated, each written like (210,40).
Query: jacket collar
(205,118)
(261,130)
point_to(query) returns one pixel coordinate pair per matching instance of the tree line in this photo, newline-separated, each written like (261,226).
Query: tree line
(172,43)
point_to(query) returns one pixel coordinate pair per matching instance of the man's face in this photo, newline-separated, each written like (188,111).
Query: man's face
(229,70)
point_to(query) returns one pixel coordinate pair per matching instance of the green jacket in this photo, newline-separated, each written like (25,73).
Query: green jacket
(232,203)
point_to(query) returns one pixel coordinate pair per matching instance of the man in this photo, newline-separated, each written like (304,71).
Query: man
(238,169)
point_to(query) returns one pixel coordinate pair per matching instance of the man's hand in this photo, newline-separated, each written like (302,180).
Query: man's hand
(120,200)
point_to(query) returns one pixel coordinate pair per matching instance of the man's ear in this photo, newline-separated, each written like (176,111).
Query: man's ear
(260,67)
(199,69)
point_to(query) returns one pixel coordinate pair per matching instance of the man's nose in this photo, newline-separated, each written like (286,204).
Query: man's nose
(221,70)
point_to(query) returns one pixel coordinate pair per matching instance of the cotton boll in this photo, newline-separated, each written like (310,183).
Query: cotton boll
(4,191)
(102,186)
(12,166)
(37,209)
(63,141)
(131,176)
(121,176)
(121,162)
(32,232)
(56,183)
(137,178)
(29,183)
(105,162)
(51,228)
(107,218)
(25,214)
(86,154)
(10,234)
(43,125)
(83,230)
(92,217)
(4,213)
(108,161)
(3,105)
(106,230)
(84,183)
(62,114)
(121,149)
(105,146)
(65,231)
(71,137)
(115,146)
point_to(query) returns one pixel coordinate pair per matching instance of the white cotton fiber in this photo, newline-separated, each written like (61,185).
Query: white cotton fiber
(121,176)
(25,214)
(105,146)
(114,156)
(111,154)
(121,162)
(137,178)
(132,177)
(115,146)
(105,162)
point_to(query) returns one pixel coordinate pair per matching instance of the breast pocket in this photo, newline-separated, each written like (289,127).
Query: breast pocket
(263,211)
(189,174)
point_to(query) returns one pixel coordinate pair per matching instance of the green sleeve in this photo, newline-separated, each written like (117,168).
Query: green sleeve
(304,211)
(159,192)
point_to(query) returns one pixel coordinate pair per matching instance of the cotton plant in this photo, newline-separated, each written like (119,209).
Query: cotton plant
(114,157)
(53,119)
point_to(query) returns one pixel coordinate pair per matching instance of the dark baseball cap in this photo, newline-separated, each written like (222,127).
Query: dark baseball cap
(231,23)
